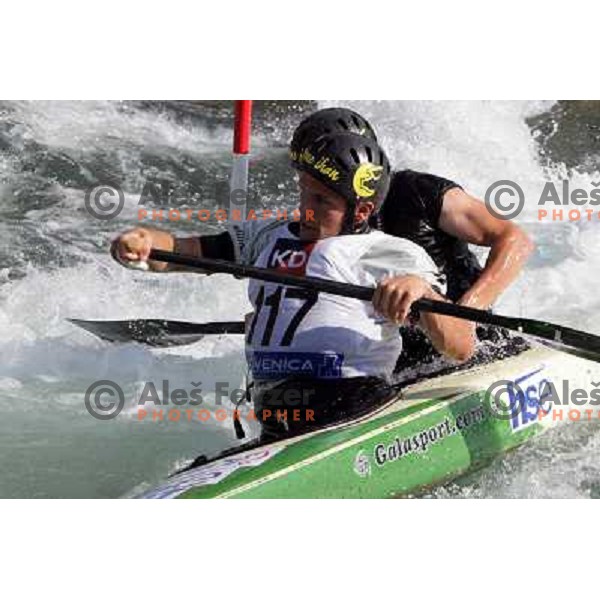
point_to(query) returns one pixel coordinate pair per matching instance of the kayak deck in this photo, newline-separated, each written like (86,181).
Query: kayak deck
(433,431)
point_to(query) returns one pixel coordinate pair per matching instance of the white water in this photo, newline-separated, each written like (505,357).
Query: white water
(52,447)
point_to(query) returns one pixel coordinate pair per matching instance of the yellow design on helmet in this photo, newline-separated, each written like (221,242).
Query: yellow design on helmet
(365,174)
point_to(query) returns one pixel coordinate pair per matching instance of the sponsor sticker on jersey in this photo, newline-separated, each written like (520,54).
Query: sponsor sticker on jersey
(290,256)
(275,365)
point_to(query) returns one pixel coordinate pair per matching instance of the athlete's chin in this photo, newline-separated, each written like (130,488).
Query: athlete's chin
(309,234)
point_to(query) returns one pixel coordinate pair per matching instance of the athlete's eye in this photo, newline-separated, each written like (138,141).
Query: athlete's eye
(323,200)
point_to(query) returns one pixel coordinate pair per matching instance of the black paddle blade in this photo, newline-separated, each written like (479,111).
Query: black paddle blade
(579,352)
(157,332)
(558,337)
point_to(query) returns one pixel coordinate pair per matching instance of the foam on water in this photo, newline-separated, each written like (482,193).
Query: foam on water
(46,364)
(88,125)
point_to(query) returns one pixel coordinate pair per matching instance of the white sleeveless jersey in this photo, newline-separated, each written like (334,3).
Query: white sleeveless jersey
(298,332)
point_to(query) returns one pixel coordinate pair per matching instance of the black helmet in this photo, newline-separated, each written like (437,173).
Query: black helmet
(351,165)
(348,164)
(325,121)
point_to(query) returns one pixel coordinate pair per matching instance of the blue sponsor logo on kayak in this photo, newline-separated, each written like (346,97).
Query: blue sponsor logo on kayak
(522,401)
(532,394)
(274,365)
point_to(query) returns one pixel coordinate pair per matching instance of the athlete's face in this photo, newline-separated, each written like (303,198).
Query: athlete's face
(322,211)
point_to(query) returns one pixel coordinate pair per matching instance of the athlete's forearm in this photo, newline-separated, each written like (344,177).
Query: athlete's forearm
(507,256)
(454,338)
(163,240)
(189,246)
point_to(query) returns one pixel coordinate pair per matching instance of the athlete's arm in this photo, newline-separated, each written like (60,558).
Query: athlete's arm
(452,337)
(135,246)
(468,219)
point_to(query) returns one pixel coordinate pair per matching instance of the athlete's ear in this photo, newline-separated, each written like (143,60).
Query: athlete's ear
(363,211)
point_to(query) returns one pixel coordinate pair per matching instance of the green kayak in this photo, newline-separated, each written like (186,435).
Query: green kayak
(432,432)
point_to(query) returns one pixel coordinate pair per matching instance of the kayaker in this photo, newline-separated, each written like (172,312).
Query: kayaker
(324,356)
(438,215)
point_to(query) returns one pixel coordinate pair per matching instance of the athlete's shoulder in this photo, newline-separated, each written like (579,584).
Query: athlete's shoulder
(347,247)
(384,243)
(415,195)
(367,258)
(348,251)
(427,185)
(389,255)
(251,237)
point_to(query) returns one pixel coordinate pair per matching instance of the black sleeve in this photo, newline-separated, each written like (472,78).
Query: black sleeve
(432,189)
(218,246)
(422,193)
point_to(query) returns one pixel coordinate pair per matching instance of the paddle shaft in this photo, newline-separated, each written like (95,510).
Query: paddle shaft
(562,338)
(330,287)
(162,332)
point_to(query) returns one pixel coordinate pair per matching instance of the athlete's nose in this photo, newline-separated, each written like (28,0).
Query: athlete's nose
(306,202)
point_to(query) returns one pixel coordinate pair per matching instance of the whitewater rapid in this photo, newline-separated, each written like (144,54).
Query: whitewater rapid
(54,265)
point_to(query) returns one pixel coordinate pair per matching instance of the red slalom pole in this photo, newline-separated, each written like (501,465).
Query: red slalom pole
(242,126)
(238,184)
